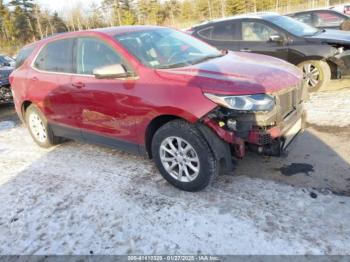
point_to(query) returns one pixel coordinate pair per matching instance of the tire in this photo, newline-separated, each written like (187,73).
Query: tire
(202,158)
(321,76)
(39,129)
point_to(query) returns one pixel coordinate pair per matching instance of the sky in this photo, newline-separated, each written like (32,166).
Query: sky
(61,5)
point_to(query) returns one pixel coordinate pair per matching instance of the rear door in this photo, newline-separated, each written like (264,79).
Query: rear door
(50,82)
(256,38)
(223,35)
(105,105)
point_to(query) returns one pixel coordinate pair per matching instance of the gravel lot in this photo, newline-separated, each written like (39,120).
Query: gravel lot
(84,199)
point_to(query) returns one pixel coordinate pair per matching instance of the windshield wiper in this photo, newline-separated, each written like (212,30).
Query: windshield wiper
(317,32)
(206,58)
(182,64)
(173,65)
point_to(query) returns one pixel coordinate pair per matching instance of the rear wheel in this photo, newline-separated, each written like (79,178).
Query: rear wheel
(317,74)
(183,156)
(39,128)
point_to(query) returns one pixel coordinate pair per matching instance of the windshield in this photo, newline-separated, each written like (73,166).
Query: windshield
(293,26)
(166,48)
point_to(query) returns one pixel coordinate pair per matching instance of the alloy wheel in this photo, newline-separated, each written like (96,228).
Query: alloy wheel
(37,127)
(311,75)
(179,159)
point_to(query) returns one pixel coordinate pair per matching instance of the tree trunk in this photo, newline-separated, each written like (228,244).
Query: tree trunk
(223,7)
(37,17)
(116,5)
(209,8)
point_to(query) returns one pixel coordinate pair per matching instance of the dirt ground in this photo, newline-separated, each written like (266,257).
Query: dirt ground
(83,199)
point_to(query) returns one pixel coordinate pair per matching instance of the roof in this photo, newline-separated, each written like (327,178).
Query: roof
(314,10)
(258,15)
(111,31)
(125,29)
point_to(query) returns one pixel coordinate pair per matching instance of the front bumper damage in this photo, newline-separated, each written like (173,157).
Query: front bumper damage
(341,58)
(268,133)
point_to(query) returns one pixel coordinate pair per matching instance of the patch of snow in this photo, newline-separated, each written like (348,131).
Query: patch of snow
(7,125)
(77,198)
(331,108)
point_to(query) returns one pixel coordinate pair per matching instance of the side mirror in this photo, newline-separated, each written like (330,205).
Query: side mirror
(276,38)
(110,72)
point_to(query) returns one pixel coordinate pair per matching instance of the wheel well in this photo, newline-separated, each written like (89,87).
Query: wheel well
(334,69)
(25,105)
(153,127)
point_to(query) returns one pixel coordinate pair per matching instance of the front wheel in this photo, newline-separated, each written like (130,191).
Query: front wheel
(183,156)
(39,128)
(317,74)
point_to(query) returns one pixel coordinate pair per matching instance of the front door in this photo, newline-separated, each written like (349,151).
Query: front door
(106,110)
(256,39)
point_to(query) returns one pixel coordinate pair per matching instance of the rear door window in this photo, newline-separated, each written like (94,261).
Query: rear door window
(93,53)
(56,56)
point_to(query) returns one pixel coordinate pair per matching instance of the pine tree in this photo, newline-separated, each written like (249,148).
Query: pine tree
(58,24)
(24,14)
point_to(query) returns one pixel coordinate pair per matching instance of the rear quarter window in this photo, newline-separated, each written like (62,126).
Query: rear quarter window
(23,55)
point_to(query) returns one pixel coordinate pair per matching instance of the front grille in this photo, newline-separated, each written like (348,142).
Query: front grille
(265,139)
(289,100)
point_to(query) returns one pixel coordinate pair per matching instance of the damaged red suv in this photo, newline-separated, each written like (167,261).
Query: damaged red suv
(159,92)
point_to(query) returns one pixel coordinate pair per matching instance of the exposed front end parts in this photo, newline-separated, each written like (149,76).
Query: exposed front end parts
(265,132)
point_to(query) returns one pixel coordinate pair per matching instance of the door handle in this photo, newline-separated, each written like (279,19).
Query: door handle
(245,50)
(78,84)
(34,78)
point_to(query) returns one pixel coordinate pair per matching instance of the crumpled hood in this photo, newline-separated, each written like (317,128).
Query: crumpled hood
(5,73)
(239,73)
(331,36)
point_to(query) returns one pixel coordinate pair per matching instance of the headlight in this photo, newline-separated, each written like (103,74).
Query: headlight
(259,102)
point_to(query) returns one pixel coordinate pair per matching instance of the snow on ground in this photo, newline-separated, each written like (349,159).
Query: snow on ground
(329,108)
(78,198)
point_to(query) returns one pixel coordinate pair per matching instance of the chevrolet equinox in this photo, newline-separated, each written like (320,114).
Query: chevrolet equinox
(158,92)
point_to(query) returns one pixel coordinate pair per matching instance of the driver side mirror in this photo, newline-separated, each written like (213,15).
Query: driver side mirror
(110,72)
(276,38)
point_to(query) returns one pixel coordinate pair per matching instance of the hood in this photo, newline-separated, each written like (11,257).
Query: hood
(6,70)
(239,73)
(331,36)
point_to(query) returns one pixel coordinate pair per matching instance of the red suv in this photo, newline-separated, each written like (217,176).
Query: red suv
(159,92)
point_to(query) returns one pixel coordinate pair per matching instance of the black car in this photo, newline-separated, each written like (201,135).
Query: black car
(6,61)
(321,54)
(6,68)
(323,19)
